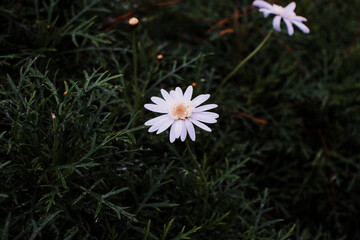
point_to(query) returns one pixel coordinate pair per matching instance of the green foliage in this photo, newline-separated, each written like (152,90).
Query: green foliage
(76,161)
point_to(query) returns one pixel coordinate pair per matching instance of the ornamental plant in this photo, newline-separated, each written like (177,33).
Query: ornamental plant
(286,14)
(77,161)
(180,113)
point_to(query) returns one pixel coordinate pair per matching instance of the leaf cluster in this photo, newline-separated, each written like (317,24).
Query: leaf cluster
(76,161)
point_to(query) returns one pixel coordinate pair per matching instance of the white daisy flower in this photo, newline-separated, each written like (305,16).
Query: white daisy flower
(287,14)
(180,112)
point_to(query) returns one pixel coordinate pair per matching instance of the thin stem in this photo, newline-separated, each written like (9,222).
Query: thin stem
(134,50)
(56,140)
(135,80)
(246,59)
(150,77)
(197,165)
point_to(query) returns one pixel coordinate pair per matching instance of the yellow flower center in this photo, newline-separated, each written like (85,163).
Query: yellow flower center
(180,111)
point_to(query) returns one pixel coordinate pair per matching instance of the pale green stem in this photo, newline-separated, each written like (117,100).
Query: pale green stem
(134,51)
(135,63)
(197,165)
(149,78)
(246,59)
(56,140)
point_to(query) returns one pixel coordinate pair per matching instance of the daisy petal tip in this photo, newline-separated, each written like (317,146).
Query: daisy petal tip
(257,3)
(276,23)
(262,4)
(172,139)
(290,31)
(188,93)
(147,106)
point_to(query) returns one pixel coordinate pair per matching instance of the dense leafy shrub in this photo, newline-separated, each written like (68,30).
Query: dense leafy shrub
(78,163)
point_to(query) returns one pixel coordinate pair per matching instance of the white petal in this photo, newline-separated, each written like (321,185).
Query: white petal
(209,114)
(172,133)
(173,95)
(301,26)
(262,4)
(165,125)
(156,108)
(266,12)
(166,96)
(178,93)
(183,131)
(276,23)
(156,120)
(289,26)
(199,100)
(158,101)
(200,125)
(178,128)
(299,19)
(205,107)
(155,127)
(190,128)
(203,118)
(188,93)
(290,7)
(159,124)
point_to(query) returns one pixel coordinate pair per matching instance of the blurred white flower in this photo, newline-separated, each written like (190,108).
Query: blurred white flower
(180,112)
(287,14)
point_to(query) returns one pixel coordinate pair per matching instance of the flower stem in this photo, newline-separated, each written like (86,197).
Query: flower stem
(197,165)
(135,64)
(246,59)
(56,140)
(134,51)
